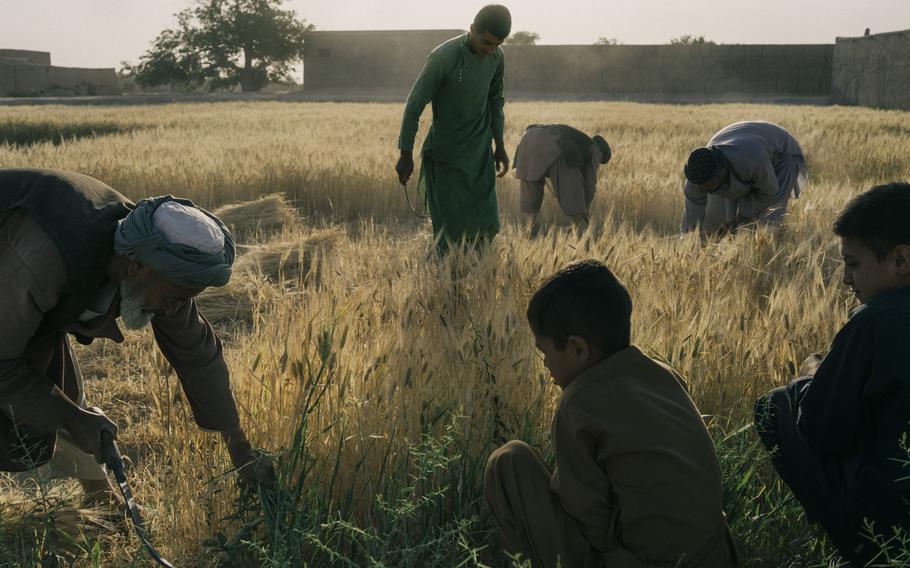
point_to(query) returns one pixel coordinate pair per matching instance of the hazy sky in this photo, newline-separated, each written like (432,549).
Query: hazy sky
(101,33)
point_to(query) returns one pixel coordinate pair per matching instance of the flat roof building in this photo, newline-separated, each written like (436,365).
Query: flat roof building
(25,73)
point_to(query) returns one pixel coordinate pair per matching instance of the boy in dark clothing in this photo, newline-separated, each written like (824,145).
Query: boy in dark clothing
(838,433)
(637,482)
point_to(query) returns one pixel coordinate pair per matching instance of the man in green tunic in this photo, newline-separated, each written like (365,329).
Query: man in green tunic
(463,80)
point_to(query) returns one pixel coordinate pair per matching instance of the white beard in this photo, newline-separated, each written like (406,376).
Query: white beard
(131,312)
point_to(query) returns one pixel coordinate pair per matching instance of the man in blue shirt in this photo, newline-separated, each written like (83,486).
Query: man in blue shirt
(839,434)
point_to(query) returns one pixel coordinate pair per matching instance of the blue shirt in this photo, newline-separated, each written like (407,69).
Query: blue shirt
(857,407)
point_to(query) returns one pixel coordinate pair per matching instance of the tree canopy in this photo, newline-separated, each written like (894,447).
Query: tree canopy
(522,38)
(690,40)
(224,43)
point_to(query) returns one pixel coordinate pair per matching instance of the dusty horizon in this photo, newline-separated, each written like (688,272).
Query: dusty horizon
(97,33)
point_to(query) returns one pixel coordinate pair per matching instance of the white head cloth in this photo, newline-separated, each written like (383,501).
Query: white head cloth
(188,226)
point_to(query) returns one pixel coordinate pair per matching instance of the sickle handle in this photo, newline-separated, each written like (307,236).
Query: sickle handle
(111,455)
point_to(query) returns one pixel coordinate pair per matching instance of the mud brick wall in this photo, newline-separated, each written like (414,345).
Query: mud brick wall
(596,70)
(387,62)
(872,70)
(23,79)
(25,56)
(380,62)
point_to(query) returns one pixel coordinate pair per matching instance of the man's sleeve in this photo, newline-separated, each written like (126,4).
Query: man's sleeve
(580,482)
(831,407)
(889,332)
(423,91)
(589,174)
(193,348)
(30,284)
(765,185)
(694,208)
(497,101)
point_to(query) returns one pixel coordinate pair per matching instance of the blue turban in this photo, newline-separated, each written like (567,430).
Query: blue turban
(186,244)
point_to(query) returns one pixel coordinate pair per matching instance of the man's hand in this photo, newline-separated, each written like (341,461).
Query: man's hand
(86,427)
(502,160)
(258,470)
(252,465)
(405,166)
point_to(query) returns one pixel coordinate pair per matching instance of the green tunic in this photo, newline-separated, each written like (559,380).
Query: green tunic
(457,174)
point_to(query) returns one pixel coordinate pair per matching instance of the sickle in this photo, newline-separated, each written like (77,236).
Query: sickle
(411,205)
(114,461)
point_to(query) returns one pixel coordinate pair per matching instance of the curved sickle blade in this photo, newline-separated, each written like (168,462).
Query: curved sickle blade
(139,525)
(114,461)
(407,195)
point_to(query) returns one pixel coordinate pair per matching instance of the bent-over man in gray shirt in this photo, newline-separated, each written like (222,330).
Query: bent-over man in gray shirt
(745,174)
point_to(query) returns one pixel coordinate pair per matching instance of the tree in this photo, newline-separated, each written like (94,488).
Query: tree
(170,61)
(606,41)
(690,40)
(223,43)
(522,38)
(127,76)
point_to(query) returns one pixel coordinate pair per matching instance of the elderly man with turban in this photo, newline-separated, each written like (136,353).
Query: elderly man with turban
(463,79)
(745,174)
(75,255)
(567,157)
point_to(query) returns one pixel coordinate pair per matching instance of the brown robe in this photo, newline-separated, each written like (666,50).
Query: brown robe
(39,381)
(637,482)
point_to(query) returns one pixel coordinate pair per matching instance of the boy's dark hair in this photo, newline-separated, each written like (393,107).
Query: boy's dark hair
(583,299)
(879,218)
(494,18)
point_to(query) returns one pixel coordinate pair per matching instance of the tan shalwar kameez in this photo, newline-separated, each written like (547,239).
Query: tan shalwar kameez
(637,481)
(38,373)
(539,158)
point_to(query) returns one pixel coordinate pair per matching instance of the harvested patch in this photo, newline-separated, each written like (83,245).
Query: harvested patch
(236,302)
(265,274)
(33,520)
(22,134)
(288,262)
(252,220)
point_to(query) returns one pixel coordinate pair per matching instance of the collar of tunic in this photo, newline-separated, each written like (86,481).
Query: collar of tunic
(616,364)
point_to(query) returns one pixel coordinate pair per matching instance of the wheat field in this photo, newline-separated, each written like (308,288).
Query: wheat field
(380,376)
